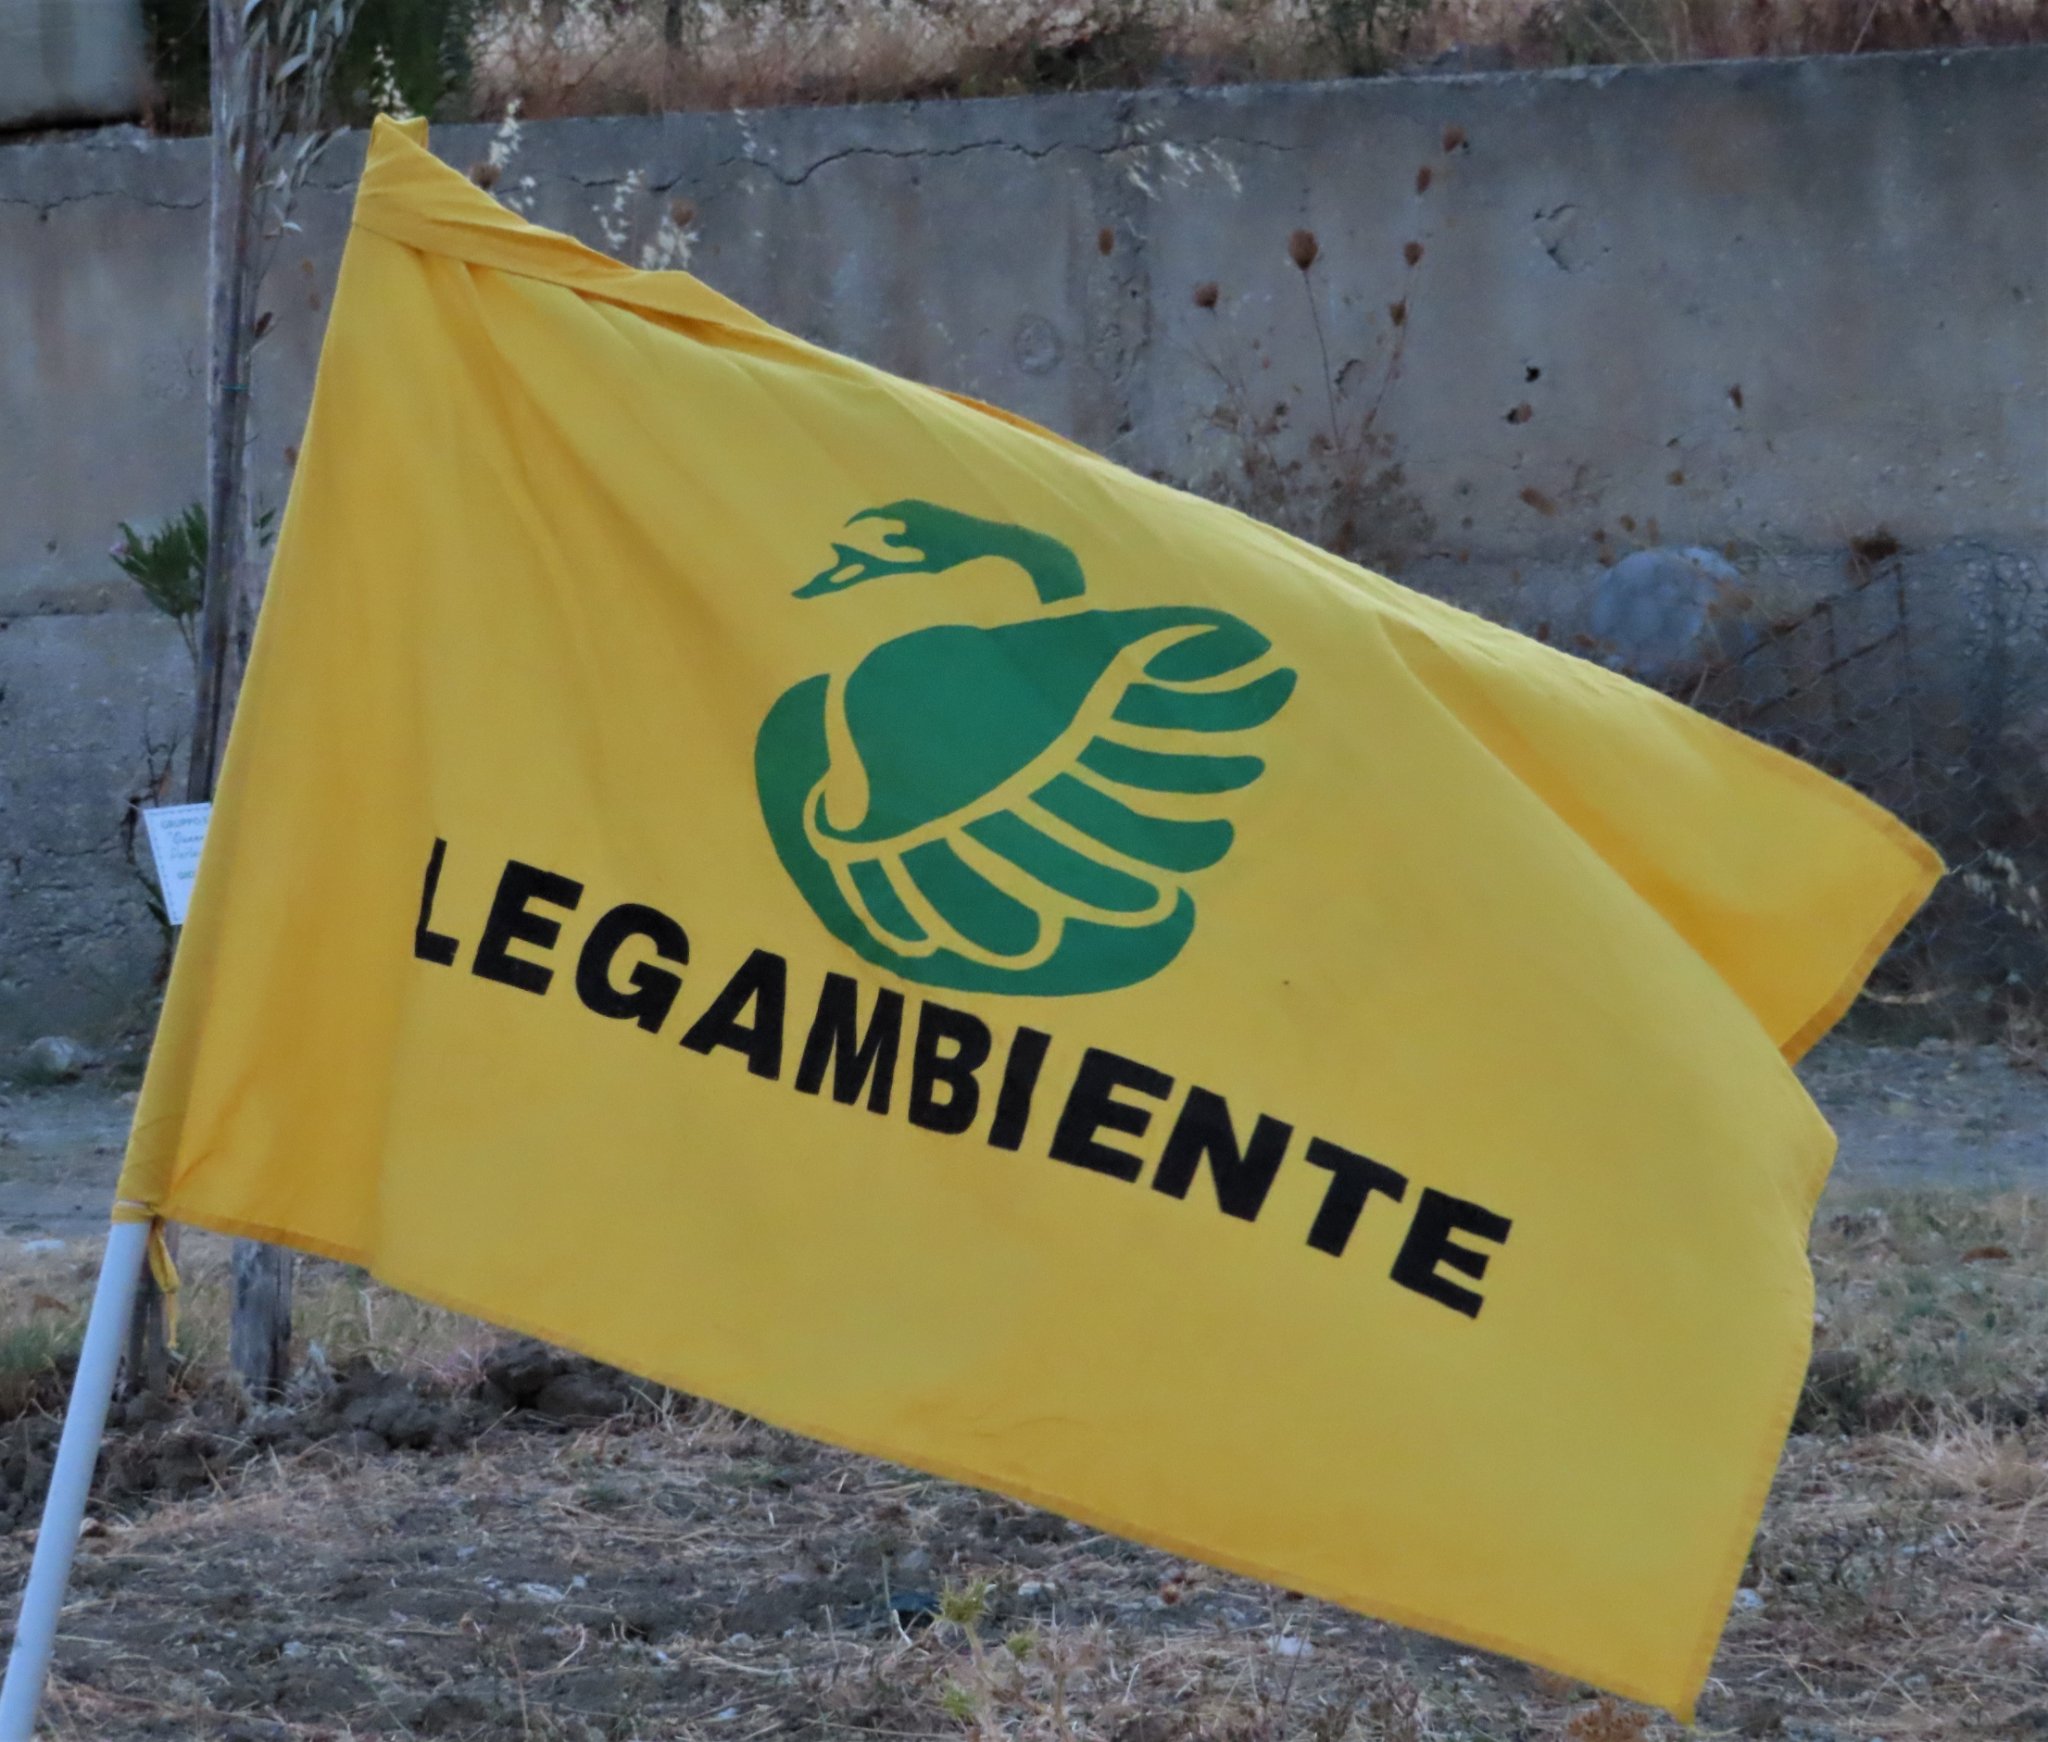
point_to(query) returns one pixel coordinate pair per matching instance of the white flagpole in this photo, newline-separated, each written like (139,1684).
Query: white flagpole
(64,1506)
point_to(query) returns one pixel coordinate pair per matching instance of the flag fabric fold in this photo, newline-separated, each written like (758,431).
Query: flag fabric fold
(830,897)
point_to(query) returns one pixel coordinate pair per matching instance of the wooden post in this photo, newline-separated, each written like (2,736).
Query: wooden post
(270,61)
(236,91)
(146,1355)
(260,1329)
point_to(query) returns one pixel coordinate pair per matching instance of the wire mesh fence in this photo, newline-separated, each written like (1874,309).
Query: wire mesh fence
(1923,682)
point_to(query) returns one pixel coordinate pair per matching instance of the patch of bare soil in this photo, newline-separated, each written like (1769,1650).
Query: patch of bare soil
(60,1153)
(1940,1113)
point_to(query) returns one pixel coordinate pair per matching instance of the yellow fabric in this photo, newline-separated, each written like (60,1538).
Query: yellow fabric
(1533,937)
(163,1265)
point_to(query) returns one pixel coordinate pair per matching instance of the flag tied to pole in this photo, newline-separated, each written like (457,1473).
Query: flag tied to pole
(826,895)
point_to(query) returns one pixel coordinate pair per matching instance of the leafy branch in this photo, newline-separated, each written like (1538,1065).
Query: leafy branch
(169,565)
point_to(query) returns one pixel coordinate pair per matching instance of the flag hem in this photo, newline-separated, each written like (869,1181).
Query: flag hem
(1928,871)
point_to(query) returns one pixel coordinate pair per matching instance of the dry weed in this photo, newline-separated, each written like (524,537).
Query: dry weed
(1607,1721)
(1967,1460)
(577,57)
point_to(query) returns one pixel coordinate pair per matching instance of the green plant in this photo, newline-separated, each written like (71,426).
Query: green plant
(34,1357)
(964,1606)
(169,565)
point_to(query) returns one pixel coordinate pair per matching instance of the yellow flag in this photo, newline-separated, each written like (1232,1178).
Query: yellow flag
(828,896)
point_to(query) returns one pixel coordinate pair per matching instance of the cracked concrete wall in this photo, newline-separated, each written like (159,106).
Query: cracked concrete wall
(1770,305)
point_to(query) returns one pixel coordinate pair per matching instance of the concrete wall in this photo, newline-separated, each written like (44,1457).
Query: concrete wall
(1770,305)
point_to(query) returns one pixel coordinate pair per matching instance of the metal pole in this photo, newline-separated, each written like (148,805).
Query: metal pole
(64,1506)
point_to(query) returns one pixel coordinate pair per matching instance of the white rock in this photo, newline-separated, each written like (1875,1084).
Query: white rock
(55,1058)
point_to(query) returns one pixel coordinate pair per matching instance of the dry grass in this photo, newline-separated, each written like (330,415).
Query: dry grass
(691,1573)
(706,1576)
(1933,1305)
(578,57)
(339,1316)
(1901,1587)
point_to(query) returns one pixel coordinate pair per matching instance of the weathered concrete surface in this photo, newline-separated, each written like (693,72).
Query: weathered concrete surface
(1769,305)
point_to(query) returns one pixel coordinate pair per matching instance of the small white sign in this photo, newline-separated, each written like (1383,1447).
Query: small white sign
(176,833)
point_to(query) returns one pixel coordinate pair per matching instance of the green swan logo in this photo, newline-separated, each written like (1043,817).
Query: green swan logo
(1017,809)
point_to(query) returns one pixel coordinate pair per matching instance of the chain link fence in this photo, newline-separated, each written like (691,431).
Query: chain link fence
(1923,682)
